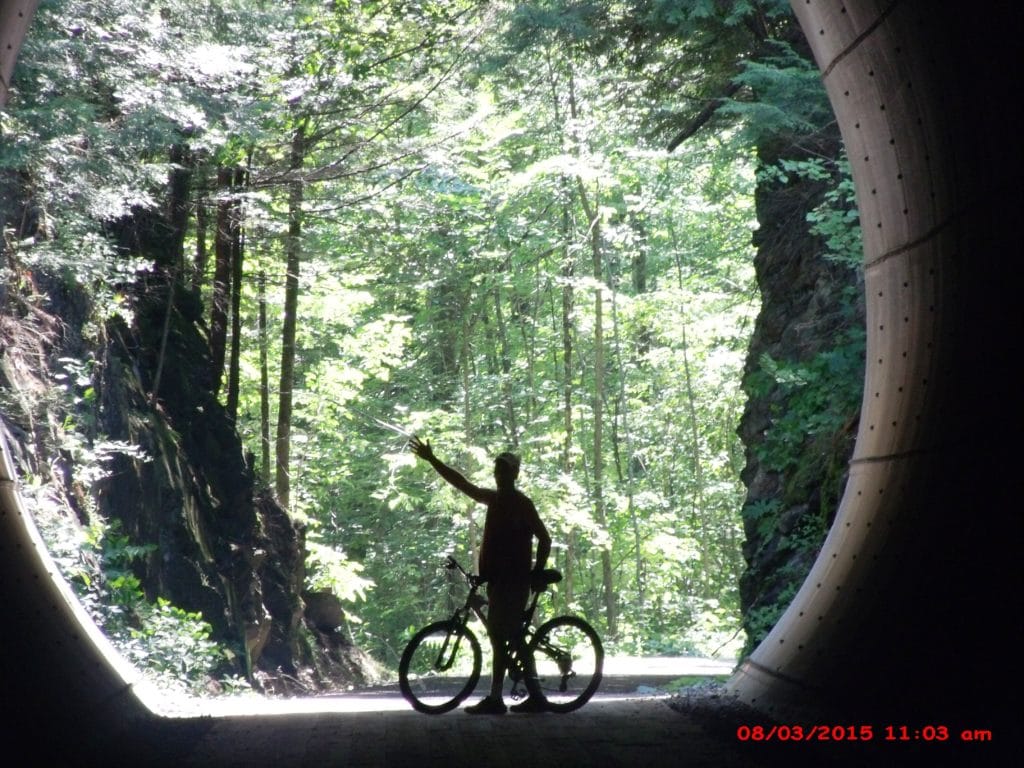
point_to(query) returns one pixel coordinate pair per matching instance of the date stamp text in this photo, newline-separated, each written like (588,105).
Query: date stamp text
(862,733)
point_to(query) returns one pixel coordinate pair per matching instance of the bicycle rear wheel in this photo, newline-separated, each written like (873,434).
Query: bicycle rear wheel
(440,667)
(569,658)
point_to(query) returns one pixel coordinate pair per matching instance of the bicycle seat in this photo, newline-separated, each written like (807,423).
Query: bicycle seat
(546,578)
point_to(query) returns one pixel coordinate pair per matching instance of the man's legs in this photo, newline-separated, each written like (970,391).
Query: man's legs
(505,606)
(499,665)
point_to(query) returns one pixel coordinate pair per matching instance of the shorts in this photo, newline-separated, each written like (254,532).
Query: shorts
(506,606)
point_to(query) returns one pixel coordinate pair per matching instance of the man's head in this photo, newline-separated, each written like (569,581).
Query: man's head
(506,469)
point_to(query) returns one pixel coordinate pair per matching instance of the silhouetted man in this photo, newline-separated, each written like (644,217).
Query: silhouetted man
(505,556)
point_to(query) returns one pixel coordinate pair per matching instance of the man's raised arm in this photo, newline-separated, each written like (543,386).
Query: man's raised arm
(424,451)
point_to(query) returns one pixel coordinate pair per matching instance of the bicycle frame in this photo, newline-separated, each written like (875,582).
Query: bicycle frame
(517,645)
(461,615)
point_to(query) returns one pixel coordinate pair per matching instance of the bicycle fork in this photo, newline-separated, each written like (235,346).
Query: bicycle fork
(449,648)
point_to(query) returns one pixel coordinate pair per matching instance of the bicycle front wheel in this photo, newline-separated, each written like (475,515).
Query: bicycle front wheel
(440,667)
(569,659)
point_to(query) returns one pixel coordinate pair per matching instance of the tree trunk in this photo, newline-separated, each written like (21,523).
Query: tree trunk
(467,430)
(505,356)
(607,577)
(592,215)
(179,188)
(237,254)
(639,275)
(527,324)
(221,279)
(568,269)
(622,416)
(264,383)
(697,506)
(201,258)
(290,325)
(567,272)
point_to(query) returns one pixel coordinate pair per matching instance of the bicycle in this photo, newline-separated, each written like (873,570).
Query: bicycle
(440,666)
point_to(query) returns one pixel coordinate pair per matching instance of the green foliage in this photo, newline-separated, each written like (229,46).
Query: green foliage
(837,220)
(101,91)
(763,515)
(788,97)
(401,328)
(328,569)
(821,397)
(818,398)
(170,645)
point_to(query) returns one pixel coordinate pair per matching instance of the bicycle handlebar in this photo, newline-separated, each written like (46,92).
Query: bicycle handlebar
(452,564)
(538,581)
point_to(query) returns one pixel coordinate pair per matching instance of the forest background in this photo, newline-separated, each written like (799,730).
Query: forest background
(272,241)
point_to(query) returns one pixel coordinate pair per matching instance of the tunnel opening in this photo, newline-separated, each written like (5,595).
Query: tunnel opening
(657,478)
(938,479)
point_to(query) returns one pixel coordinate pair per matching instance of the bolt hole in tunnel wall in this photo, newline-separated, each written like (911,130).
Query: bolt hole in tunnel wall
(912,610)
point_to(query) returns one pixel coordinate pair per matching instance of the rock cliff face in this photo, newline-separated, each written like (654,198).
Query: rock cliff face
(807,303)
(217,543)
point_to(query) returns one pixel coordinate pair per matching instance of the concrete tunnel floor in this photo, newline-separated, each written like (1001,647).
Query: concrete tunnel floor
(701,728)
(637,718)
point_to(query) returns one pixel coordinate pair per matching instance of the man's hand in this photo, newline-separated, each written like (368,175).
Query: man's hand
(422,449)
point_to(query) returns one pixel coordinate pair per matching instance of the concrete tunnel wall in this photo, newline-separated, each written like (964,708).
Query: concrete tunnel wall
(913,603)
(919,579)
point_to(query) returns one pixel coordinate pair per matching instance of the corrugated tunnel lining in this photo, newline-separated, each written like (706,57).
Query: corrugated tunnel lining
(928,524)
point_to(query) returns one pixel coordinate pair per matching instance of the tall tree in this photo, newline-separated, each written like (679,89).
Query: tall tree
(237,273)
(223,248)
(289,326)
(597,404)
(264,385)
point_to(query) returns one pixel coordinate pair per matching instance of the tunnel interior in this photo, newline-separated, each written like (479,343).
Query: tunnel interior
(912,609)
